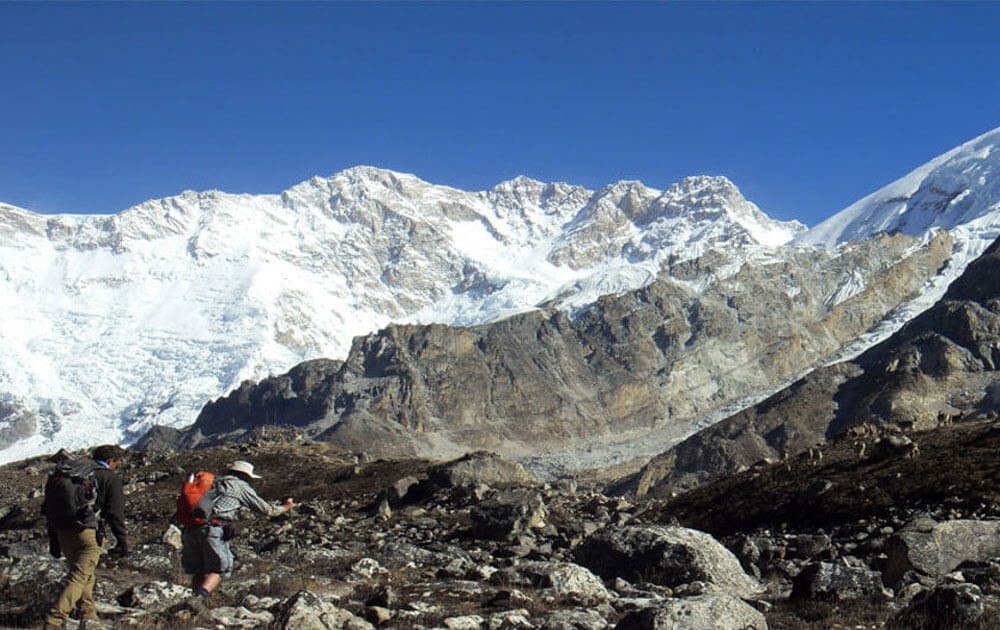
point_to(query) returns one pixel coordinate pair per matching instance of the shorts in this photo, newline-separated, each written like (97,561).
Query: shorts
(205,551)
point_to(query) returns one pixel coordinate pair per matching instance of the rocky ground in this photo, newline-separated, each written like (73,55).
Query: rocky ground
(896,536)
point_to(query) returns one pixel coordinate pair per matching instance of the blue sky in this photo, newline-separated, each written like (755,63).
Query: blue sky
(807,107)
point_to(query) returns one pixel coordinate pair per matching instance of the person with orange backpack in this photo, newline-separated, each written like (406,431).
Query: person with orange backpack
(207,508)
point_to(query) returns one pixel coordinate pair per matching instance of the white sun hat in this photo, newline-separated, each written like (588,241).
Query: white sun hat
(244,467)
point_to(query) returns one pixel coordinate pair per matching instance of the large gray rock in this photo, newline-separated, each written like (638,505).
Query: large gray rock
(835,582)
(477,468)
(568,580)
(154,596)
(509,512)
(667,555)
(947,607)
(937,548)
(574,619)
(562,580)
(307,611)
(714,611)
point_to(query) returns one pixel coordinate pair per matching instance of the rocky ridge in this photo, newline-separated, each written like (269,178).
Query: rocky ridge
(940,368)
(635,371)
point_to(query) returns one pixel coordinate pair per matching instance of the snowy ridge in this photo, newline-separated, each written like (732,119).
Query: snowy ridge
(119,322)
(960,189)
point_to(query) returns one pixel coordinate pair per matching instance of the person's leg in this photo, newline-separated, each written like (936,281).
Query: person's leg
(193,556)
(82,555)
(218,561)
(211,582)
(87,605)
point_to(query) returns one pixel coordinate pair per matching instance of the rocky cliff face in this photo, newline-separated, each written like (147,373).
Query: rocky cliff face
(633,372)
(939,368)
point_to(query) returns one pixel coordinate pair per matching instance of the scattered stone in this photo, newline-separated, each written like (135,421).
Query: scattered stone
(479,468)
(307,611)
(508,513)
(154,596)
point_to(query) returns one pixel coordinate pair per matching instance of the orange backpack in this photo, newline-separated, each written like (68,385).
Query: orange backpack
(197,498)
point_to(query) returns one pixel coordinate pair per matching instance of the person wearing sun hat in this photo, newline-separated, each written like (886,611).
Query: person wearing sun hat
(207,554)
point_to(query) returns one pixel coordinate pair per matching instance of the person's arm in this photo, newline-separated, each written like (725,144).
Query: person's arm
(253,500)
(54,549)
(113,511)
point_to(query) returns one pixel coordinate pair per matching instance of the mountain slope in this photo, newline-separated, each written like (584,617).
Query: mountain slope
(118,323)
(941,367)
(626,377)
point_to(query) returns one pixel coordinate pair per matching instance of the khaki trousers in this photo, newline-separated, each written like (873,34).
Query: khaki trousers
(82,553)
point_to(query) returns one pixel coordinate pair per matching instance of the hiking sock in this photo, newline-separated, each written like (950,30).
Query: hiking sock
(201,591)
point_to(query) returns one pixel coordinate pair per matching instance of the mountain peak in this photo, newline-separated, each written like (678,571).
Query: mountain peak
(958,188)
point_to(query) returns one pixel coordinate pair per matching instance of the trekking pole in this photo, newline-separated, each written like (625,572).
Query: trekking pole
(298,549)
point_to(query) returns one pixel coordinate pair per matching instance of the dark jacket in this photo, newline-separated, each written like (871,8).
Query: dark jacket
(111,503)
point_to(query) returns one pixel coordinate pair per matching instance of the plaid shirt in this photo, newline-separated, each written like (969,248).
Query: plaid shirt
(235,493)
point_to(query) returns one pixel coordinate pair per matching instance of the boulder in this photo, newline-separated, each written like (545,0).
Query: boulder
(240,617)
(936,548)
(713,611)
(477,468)
(568,580)
(154,596)
(574,619)
(509,512)
(307,611)
(947,607)
(666,555)
(831,581)
(464,622)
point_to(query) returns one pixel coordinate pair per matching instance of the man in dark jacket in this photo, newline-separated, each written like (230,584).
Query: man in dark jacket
(111,498)
(77,538)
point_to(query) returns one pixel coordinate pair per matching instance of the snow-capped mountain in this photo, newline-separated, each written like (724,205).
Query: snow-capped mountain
(115,323)
(958,191)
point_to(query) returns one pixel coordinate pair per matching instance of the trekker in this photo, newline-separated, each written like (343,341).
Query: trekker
(78,536)
(206,554)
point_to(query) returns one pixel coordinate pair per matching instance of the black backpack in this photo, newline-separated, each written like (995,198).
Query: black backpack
(71,494)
